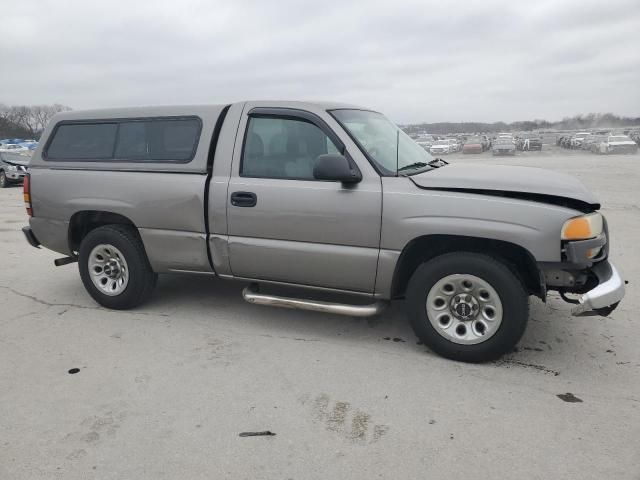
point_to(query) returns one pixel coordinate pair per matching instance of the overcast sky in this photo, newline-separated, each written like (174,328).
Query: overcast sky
(414,60)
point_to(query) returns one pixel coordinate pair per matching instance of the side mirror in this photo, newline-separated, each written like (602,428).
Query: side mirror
(335,168)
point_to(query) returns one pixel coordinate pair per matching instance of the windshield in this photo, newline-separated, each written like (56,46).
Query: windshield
(619,138)
(507,141)
(385,144)
(442,142)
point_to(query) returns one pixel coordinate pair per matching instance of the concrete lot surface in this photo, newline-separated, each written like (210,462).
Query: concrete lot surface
(163,392)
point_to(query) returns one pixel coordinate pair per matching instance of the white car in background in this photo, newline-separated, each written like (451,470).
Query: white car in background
(454,145)
(617,144)
(440,147)
(12,147)
(578,138)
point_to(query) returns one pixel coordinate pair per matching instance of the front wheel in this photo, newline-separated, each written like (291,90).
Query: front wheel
(4,183)
(467,306)
(114,267)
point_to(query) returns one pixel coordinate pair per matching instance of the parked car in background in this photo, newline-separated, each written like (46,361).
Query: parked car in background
(617,144)
(594,142)
(13,168)
(454,144)
(564,141)
(29,145)
(578,138)
(12,147)
(441,147)
(473,145)
(504,146)
(530,142)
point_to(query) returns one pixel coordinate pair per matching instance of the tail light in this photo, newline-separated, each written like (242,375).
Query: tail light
(26,193)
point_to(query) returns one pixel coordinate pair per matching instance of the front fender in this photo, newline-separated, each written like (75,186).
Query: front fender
(409,212)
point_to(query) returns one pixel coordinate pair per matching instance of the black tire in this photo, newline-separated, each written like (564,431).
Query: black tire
(4,183)
(515,305)
(142,278)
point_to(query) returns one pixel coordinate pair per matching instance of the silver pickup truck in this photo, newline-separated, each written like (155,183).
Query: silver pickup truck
(324,197)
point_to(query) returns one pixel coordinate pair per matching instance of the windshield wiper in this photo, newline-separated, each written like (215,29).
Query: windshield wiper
(438,162)
(435,163)
(411,166)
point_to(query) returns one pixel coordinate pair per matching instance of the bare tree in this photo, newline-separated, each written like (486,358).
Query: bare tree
(32,119)
(35,118)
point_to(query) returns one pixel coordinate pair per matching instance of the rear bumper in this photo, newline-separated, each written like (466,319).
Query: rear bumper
(605,297)
(31,238)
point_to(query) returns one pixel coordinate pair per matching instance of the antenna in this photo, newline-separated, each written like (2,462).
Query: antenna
(397,150)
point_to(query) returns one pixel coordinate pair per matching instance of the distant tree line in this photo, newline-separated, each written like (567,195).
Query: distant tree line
(26,121)
(591,120)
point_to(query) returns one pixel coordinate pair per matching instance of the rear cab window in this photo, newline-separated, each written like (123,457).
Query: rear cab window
(73,142)
(170,140)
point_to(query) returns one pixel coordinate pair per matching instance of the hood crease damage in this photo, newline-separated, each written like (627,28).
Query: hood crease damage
(523,183)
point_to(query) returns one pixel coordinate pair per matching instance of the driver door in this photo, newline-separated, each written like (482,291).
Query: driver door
(284,225)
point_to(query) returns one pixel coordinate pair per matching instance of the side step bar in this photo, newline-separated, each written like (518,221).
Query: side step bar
(252,295)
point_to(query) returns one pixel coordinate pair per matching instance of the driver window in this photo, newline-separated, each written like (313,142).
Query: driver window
(283,148)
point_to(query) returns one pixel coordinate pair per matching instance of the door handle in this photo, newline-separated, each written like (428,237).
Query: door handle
(244,199)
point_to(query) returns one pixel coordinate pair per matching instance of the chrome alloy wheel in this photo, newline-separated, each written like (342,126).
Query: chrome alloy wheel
(464,309)
(108,269)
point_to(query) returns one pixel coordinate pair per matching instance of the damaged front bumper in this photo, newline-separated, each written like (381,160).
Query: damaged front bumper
(605,297)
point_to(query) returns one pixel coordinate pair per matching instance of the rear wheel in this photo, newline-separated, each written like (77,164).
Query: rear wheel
(467,306)
(114,267)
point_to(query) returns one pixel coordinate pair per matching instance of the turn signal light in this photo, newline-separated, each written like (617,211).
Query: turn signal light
(576,228)
(582,228)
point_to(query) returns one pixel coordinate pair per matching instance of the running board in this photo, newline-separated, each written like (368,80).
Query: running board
(252,295)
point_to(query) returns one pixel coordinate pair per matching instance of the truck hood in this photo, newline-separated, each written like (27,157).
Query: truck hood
(525,183)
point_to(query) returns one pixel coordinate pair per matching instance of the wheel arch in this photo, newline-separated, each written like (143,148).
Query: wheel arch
(426,247)
(83,222)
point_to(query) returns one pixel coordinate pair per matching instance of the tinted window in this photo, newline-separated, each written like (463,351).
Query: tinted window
(283,148)
(157,140)
(95,141)
(153,140)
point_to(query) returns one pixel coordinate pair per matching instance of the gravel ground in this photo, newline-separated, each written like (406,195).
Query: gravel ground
(165,391)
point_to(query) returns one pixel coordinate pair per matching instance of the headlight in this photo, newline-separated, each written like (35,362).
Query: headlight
(12,168)
(582,228)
